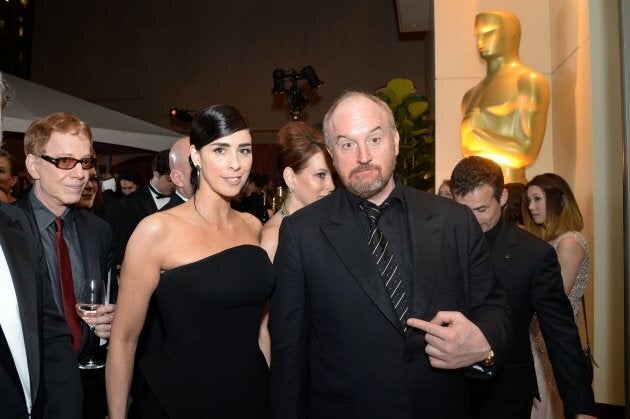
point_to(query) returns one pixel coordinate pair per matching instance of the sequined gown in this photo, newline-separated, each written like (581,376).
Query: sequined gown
(210,365)
(550,405)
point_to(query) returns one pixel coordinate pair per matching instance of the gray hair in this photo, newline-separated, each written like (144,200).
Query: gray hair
(352,93)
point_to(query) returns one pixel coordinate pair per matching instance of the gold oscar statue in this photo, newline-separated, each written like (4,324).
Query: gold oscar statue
(505,115)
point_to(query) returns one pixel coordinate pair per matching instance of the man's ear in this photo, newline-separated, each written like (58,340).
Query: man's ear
(396,141)
(504,198)
(177,177)
(31,166)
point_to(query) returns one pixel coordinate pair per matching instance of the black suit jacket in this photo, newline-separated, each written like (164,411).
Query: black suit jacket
(529,271)
(95,237)
(137,205)
(337,348)
(174,201)
(56,390)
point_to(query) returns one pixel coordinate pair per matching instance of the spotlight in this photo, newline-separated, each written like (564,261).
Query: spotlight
(308,73)
(295,99)
(278,82)
(181,115)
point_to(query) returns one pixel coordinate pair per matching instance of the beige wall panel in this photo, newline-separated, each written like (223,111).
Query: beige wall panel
(606,129)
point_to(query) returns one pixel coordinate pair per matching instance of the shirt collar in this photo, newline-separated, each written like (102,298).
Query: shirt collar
(157,194)
(43,216)
(396,194)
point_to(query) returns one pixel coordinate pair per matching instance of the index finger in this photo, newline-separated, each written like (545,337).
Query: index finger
(430,328)
(105,309)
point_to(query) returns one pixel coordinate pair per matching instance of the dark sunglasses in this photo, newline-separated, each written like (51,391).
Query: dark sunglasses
(68,163)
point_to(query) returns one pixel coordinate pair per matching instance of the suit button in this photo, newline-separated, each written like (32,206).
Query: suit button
(408,358)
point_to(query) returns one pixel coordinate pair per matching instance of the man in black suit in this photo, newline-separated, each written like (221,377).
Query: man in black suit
(341,347)
(38,368)
(152,338)
(151,197)
(59,154)
(181,169)
(529,271)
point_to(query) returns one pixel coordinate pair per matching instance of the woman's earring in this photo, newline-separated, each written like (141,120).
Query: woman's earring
(291,189)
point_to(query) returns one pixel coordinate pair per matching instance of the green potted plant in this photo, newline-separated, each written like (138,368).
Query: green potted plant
(415,164)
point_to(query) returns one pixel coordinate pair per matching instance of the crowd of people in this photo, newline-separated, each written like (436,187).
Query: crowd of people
(357,297)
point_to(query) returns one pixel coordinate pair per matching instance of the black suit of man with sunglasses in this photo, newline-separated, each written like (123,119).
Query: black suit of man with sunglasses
(59,153)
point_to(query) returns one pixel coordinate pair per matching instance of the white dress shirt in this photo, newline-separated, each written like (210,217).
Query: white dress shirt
(12,327)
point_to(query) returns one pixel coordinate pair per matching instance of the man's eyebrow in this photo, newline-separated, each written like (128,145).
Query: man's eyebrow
(370,132)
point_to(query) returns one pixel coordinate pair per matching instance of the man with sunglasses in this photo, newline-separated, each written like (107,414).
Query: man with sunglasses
(59,154)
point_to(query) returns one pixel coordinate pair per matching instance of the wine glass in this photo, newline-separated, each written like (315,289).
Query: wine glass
(91,296)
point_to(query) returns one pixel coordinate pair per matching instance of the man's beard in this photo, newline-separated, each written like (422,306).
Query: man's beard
(366,190)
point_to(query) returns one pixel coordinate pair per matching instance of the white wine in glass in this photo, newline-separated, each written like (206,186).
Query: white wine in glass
(90,298)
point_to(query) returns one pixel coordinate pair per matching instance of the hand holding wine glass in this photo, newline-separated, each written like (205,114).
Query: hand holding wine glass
(90,298)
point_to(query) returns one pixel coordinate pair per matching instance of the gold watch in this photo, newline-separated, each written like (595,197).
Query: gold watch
(489,359)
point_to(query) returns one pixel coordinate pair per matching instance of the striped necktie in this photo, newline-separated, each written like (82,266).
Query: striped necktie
(386,262)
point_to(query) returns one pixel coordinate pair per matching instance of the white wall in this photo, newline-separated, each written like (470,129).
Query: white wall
(575,44)
(607,195)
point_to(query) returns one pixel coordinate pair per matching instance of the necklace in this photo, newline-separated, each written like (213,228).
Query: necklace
(284,211)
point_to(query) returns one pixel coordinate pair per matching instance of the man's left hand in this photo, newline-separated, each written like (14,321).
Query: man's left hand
(452,340)
(102,320)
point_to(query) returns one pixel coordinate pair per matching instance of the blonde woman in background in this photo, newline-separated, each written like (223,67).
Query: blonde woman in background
(553,214)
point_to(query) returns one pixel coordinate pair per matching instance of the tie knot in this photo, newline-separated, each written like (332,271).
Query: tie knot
(373,212)
(58,224)
(158,194)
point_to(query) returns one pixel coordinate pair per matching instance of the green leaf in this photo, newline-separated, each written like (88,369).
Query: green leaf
(416,109)
(401,88)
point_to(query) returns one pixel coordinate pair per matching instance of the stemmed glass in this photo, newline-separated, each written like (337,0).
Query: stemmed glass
(91,296)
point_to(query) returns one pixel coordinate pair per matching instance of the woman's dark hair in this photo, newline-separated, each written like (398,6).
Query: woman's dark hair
(214,122)
(513,211)
(130,175)
(562,210)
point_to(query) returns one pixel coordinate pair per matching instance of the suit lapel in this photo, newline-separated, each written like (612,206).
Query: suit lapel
(426,232)
(91,260)
(16,251)
(148,202)
(342,232)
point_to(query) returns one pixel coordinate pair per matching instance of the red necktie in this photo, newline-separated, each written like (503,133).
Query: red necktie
(67,286)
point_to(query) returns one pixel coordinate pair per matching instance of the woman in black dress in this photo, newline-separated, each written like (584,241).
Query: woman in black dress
(202,262)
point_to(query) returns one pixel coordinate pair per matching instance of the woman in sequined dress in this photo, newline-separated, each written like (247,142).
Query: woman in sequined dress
(307,174)
(553,215)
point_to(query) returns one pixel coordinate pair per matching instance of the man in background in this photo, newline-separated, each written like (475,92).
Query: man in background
(529,271)
(150,198)
(181,170)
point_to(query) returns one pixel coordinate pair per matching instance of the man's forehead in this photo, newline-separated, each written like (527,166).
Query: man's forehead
(67,141)
(365,116)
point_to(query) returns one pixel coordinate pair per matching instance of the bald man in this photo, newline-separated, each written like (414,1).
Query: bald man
(181,171)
